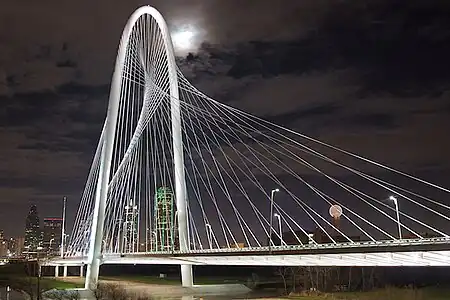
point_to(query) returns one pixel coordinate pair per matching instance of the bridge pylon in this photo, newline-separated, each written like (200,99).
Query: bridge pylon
(96,236)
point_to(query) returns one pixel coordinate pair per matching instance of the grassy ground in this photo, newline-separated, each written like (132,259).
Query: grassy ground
(384,294)
(174,280)
(381,294)
(50,283)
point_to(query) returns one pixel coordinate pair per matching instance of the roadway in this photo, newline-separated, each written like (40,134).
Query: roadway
(423,252)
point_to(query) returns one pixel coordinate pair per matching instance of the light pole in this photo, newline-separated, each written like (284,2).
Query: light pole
(280,228)
(272,194)
(394,199)
(38,274)
(172,238)
(63,226)
(50,246)
(209,234)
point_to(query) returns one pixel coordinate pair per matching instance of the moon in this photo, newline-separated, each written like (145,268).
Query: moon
(183,39)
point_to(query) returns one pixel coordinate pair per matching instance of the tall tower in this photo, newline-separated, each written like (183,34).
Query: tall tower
(52,234)
(33,236)
(131,228)
(165,231)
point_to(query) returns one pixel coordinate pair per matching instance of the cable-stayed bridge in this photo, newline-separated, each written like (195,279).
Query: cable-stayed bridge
(180,178)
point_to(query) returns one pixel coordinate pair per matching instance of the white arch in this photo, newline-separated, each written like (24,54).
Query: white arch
(95,243)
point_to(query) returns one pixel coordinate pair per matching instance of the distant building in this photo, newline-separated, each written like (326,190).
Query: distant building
(237,245)
(425,235)
(131,228)
(321,238)
(52,234)
(33,235)
(3,245)
(165,231)
(3,248)
(292,238)
(16,246)
(304,238)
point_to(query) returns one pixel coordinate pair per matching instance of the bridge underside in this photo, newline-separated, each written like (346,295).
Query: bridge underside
(419,258)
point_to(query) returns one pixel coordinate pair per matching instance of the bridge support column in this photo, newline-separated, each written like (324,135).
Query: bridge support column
(65,271)
(187,278)
(178,159)
(56,271)
(81,270)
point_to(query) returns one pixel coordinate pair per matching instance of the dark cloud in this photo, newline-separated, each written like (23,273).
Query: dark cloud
(313,112)
(374,120)
(396,46)
(402,46)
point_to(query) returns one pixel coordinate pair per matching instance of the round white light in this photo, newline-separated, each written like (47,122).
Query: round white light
(183,39)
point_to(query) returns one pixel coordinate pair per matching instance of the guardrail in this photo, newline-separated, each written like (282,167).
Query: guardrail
(348,245)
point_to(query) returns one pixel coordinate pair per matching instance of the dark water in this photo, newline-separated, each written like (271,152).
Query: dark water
(7,294)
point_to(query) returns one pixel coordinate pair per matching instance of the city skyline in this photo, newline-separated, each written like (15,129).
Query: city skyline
(347,91)
(37,232)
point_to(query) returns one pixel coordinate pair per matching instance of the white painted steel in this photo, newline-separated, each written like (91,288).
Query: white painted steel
(391,259)
(95,243)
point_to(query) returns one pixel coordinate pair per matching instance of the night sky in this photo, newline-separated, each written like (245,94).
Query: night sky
(372,77)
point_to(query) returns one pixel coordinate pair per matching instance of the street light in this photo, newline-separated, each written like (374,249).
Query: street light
(63,228)
(50,245)
(173,231)
(38,274)
(280,228)
(272,194)
(394,199)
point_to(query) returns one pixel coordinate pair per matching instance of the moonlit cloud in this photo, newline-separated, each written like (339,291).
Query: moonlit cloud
(187,38)
(183,39)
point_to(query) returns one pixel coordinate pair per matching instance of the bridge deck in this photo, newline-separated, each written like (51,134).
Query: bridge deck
(430,252)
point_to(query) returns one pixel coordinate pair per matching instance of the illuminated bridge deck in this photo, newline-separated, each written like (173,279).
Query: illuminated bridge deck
(424,252)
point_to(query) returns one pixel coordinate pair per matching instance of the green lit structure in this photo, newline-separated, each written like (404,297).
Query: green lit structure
(165,233)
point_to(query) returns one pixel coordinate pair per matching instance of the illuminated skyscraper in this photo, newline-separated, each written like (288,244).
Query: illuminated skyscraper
(33,235)
(164,230)
(131,228)
(52,234)
(3,245)
(3,248)
(15,245)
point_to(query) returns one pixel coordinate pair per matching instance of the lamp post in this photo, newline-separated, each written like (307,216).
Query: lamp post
(272,194)
(209,234)
(394,199)
(172,237)
(38,274)
(279,227)
(50,246)
(63,226)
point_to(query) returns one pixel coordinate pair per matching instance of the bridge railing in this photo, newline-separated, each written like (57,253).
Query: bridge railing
(365,244)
